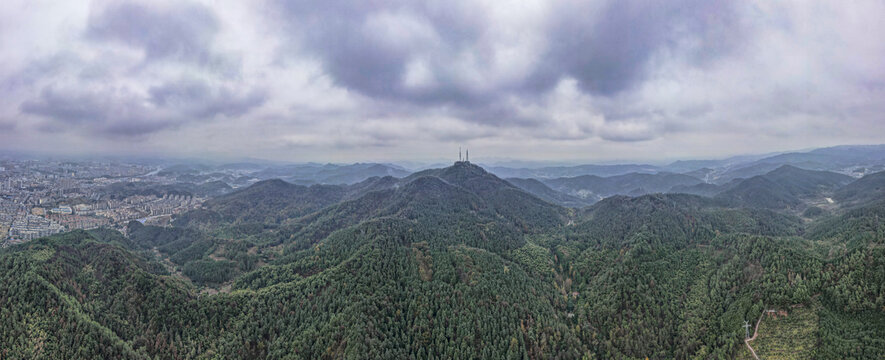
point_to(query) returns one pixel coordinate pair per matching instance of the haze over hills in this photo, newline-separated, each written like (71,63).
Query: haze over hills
(277,179)
(586,183)
(399,267)
(786,187)
(853,160)
(865,190)
(372,260)
(597,188)
(542,191)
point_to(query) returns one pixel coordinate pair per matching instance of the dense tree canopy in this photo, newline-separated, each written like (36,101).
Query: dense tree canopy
(447,264)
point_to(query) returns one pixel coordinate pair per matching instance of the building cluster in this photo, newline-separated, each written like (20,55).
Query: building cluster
(41,198)
(31,227)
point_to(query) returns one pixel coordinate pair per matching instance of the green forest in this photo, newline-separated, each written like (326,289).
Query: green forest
(449,263)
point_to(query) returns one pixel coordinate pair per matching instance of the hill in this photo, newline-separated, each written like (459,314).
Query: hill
(122,190)
(273,201)
(853,160)
(552,172)
(445,263)
(539,189)
(595,188)
(329,173)
(786,187)
(702,189)
(863,191)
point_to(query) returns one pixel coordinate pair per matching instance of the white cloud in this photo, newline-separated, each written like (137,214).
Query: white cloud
(396,80)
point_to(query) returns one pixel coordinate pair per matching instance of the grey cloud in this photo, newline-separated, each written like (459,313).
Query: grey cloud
(7,126)
(42,68)
(106,112)
(117,112)
(606,50)
(135,128)
(409,74)
(68,106)
(197,99)
(605,46)
(374,61)
(498,113)
(626,135)
(183,32)
(609,53)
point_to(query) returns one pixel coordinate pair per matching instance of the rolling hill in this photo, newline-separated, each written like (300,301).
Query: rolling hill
(596,188)
(786,187)
(552,172)
(446,263)
(539,189)
(863,191)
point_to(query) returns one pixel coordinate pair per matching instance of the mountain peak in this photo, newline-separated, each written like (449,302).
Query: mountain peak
(788,168)
(467,168)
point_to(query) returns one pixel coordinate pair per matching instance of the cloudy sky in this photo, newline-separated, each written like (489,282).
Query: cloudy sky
(336,80)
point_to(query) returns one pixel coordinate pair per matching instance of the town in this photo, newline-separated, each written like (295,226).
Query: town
(41,198)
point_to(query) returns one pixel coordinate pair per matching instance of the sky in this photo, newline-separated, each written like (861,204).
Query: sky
(377,80)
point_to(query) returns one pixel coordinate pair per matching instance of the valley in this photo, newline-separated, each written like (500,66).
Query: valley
(457,263)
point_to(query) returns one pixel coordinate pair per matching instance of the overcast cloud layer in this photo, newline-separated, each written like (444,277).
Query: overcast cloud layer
(339,80)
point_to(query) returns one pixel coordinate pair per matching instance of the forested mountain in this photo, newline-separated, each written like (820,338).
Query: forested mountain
(596,188)
(447,263)
(784,188)
(274,201)
(122,190)
(702,189)
(865,190)
(832,158)
(552,172)
(539,189)
(329,173)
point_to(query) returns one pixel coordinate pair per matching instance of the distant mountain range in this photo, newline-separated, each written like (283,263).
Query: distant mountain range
(853,160)
(758,180)
(786,187)
(239,174)
(633,184)
(455,263)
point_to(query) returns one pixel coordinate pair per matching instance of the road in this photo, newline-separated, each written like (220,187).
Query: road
(755,332)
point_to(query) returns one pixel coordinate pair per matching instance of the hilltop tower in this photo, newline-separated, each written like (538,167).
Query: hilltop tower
(467,157)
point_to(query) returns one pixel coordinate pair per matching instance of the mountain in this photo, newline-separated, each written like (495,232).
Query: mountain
(854,160)
(358,172)
(846,158)
(507,200)
(684,166)
(702,189)
(90,287)
(273,201)
(179,169)
(552,172)
(122,190)
(786,187)
(241,166)
(330,173)
(863,191)
(595,188)
(744,171)
(448,263)
(539,189)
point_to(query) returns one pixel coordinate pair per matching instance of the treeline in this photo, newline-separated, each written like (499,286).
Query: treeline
(448,267)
